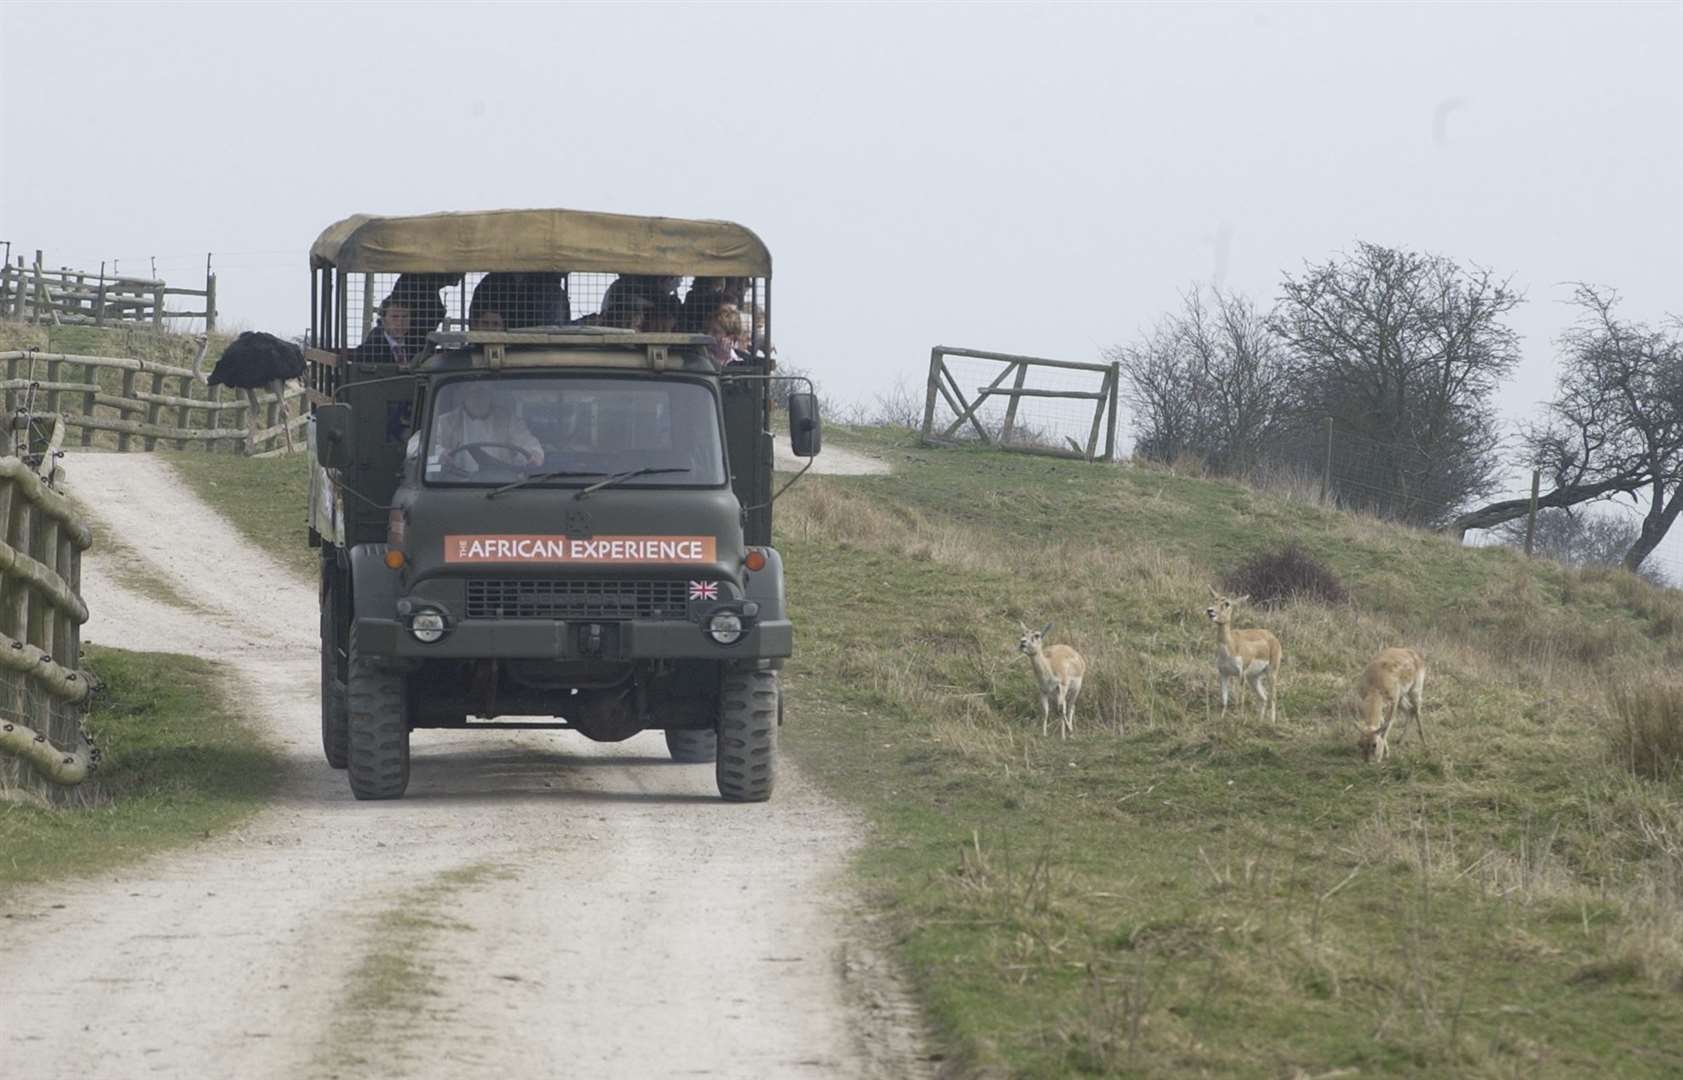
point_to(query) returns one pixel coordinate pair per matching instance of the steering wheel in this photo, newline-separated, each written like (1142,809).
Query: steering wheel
(477,451)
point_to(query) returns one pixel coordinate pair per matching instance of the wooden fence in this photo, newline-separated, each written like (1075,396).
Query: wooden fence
(943,385)
(33,293)
(131,400)
(44,693)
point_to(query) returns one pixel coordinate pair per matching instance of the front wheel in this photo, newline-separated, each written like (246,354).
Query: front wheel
(693,747)
(378,725)
(749,702)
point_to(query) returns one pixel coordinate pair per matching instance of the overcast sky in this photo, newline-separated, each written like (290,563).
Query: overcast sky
(1035,179)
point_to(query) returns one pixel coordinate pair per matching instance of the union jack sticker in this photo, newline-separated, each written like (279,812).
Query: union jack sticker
(704,590)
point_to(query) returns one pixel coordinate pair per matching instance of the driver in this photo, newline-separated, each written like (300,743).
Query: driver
(486,420)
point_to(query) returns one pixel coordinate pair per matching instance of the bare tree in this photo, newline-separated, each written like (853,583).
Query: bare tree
(1204,381)
(1405,351)
(1581,539)
(1615,427)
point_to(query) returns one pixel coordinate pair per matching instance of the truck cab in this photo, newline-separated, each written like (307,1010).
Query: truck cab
(563,522)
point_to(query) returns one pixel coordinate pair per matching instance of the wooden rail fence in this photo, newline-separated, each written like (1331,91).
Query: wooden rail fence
(35,294)
(44,693)
(142,400)
(943,386)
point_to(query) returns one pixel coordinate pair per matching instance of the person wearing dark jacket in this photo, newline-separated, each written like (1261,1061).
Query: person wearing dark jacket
(389,342)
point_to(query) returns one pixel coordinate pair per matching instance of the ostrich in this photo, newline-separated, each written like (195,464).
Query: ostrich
(256,359)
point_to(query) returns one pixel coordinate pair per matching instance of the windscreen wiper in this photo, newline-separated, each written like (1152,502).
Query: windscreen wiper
(647,470)
(536,477)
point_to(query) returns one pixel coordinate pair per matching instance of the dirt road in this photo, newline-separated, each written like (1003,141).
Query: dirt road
(537,906)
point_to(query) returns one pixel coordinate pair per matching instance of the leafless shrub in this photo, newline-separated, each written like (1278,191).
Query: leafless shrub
(1291,573)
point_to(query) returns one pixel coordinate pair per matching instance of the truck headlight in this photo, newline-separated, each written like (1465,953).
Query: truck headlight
(725,627)
(428,627)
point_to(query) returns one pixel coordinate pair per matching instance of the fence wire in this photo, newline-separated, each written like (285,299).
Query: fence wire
(1401,482)
(1045,422)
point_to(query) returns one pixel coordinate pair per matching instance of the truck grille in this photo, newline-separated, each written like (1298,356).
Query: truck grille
(519,598)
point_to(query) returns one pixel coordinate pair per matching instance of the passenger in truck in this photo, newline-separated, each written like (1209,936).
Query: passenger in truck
(490,424)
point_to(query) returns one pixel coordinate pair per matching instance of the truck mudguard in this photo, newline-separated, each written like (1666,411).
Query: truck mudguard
(373,583)
(766,587)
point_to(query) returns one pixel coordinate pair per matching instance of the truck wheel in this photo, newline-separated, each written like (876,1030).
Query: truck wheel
(378,725)
(334,740)
(693,747)
(747,763)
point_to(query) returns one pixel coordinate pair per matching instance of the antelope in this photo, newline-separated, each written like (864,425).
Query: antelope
(1392,677)
(1059,670)
(1248,654)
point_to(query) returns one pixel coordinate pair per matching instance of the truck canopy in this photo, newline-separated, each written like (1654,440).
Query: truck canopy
(541,240)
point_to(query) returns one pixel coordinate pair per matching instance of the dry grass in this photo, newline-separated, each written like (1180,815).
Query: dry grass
(1646,728)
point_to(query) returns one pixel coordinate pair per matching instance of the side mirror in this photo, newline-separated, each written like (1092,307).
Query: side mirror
(333,436)
(806,430)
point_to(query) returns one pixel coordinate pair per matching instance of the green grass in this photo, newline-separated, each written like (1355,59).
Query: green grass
(177,767)
(1177,892)
(265,498)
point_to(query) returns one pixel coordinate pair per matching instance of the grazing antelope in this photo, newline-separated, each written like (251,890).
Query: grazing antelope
(1059,670)
(1248,654)
(1392,677)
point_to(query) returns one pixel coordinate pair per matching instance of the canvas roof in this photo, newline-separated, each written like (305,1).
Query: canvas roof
(552,240)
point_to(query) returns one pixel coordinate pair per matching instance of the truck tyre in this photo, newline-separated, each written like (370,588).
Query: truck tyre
(378,755)
(747,762)
(334,740)
(693,747)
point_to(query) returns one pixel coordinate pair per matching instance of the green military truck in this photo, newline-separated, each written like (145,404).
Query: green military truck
(541,486)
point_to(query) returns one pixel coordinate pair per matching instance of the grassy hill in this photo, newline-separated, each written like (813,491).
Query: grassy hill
(1176,891)
(1179,892)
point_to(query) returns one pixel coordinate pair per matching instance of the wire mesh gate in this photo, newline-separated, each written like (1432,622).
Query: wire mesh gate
(1038,419)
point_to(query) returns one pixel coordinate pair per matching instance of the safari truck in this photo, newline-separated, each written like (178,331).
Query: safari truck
(541,486)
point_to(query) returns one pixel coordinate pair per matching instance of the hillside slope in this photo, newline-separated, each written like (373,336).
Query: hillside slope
(1175,891)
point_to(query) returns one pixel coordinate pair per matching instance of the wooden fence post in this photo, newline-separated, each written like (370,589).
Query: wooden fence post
(930,390)
(1326,473)
(184,413)
(210,300)
(1531,511)
(53,368)
(40,294)
(1011,406)
(155,408)
(1110,430)
(90,400)
(123,437)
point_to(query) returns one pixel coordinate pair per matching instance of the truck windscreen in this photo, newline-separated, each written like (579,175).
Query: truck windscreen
(494,430)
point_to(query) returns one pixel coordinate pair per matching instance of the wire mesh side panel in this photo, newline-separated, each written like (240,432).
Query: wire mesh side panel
(387,317)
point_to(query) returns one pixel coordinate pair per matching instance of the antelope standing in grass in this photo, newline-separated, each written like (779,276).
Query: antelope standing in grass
(1059,670)
(1247,654)
(1390,679)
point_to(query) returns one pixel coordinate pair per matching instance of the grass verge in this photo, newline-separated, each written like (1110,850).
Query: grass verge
(266,499)
(177,767)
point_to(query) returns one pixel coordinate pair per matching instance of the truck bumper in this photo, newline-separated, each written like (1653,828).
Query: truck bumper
(544,639)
